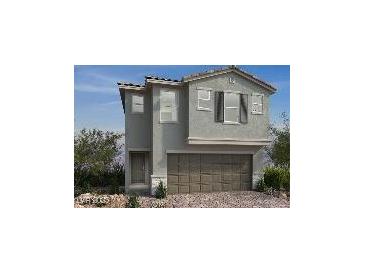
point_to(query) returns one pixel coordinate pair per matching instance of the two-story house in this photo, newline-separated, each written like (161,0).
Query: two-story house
(203,133)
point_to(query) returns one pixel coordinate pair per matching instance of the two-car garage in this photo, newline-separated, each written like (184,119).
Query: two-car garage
(190,172)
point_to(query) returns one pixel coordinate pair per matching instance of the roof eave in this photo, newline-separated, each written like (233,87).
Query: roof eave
(133,88)
(163,82)
(243,74)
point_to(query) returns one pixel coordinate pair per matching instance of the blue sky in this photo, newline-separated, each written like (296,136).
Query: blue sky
(98,104)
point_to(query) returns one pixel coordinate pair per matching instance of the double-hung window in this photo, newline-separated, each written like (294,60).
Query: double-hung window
(204,102)
(231,107)
(137,103)
(168,105)
(257,103)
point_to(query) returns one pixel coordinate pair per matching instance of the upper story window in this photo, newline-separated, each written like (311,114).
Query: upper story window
(257,103)
(204,102)
(137,103)
(168,105)
(231,107)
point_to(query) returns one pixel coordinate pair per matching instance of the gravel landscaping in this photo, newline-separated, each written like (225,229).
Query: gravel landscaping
(238,199)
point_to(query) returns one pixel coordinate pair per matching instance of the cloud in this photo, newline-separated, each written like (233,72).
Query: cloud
(103,77)
(112,103)
(96,88)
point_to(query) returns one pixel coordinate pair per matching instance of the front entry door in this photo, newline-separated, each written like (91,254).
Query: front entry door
(138,168)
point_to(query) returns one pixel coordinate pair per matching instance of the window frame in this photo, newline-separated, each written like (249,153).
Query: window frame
(203,99)
(132,106)
(262,103)
(176,107)
(226,122)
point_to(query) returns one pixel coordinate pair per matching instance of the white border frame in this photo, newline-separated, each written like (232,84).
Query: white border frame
(177,106)
(262,104)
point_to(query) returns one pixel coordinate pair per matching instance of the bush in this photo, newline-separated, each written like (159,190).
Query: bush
(272,178)
(114,187)
(133,202)
(261,187)
(161,191)
(277,178)
(96,158)
(286,179)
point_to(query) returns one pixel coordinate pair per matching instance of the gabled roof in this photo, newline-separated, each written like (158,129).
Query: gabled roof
(193,77)
(235,69)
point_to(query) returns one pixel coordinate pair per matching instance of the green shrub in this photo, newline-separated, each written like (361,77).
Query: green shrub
(261,187)
(286,179)
(277,178)
(133,202)
(161,191)
(114,187)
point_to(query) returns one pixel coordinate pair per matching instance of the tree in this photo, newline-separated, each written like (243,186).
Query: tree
(279,150)
(95,153)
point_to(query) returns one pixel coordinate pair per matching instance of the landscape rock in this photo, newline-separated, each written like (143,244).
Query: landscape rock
(237,199)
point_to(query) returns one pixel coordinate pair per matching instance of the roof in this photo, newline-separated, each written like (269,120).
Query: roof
(125,85)
(197,76)
(248,76)
(160,78)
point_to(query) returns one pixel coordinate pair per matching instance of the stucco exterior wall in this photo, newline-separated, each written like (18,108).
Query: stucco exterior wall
(138,125)
(202,122)
(145,131)
(138,128)
(172,136)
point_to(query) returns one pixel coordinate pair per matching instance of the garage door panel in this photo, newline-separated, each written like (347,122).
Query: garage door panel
(217,187)
(208,172)
(246,186)
(173,179)
(195,178)
(183,188)
(183,164)
(226,168)
(206,178)
(236,168)
(245,177)
(236,177)
(194,188)
(172,188)
(172,164)
(183,179)
(226,187)
(236,158)
(226,158)
(216,178)
(236,185)
(227,177)
(206,188)
(194,169)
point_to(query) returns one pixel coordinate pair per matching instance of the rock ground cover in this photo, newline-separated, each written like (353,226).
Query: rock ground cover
(238,199)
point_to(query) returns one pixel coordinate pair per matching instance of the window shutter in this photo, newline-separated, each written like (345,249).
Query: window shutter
(243,108)
(219,106)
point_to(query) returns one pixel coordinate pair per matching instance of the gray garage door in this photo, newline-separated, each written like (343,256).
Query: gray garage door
(187,173)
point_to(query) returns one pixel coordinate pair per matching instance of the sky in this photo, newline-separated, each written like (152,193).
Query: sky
(97,99)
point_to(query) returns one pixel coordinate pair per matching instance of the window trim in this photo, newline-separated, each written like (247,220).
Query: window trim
(137,112)
(177,106)
(226,122)
(262,104)
(199,98)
